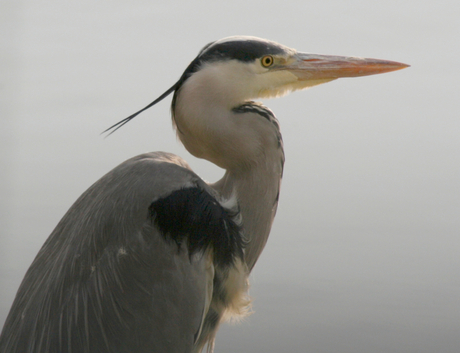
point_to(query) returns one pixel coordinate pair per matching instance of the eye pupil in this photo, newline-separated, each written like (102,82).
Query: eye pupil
(267,61)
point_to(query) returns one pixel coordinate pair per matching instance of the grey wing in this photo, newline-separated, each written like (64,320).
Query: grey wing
(122,271)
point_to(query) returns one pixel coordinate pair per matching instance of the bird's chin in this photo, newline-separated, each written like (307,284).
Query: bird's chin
(291,87)
(303,84)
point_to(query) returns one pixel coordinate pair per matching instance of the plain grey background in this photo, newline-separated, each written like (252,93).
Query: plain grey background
(364,252)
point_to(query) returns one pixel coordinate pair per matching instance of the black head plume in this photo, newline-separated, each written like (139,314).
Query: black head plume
(193,67)
(118,125)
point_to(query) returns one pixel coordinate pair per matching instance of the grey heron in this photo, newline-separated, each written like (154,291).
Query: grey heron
(151,258)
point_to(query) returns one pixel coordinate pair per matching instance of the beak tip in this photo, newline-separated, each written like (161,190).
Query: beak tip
(398,66)
(403,66)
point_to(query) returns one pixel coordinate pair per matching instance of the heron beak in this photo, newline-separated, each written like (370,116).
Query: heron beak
(330,67)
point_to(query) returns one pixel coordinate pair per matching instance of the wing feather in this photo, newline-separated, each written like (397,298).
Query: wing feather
(109,278)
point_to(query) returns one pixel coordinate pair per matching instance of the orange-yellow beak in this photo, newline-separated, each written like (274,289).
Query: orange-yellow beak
(330,67)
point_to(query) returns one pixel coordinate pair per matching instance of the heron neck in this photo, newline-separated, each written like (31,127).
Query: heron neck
(244,139)
(257,191)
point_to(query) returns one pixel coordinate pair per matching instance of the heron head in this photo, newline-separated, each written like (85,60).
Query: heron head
(249,67)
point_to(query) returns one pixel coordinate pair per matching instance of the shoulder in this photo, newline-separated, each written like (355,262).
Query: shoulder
(194,216)
(161,189)
(143,178)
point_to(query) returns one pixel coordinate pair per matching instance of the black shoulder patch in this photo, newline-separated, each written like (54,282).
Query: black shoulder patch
(194,217)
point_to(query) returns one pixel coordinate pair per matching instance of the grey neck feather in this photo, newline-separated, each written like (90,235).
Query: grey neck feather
(257,190)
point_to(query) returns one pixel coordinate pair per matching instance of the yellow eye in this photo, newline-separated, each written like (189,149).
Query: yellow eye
(267,61)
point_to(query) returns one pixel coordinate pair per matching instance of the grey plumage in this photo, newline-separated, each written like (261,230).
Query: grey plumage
(119,266)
